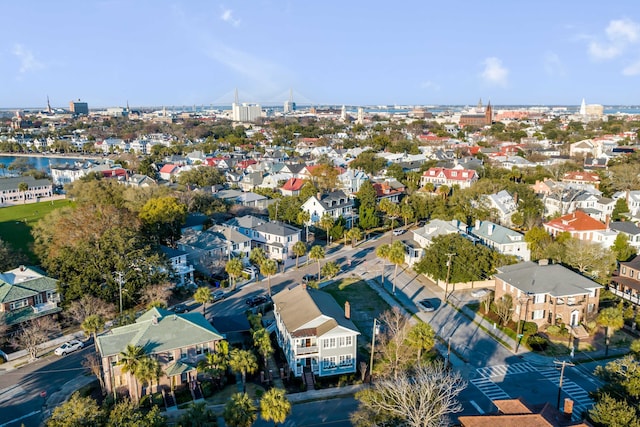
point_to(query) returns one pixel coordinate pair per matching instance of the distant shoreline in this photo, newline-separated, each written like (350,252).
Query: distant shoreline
(54,156)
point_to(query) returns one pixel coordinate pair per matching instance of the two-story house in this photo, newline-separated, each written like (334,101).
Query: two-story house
(546,293)
(177,341)
(501,239)
(436,227)
(26,293)
(209,250)
(578,224)
(277,239)
(504,204)
(630,230)
(626,283)
(335,204)
(10,191)
(181,269)
(457,175)
(316,335)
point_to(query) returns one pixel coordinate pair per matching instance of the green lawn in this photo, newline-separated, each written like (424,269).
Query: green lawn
(16,222)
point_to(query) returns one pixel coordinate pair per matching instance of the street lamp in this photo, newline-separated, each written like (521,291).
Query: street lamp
(520,333)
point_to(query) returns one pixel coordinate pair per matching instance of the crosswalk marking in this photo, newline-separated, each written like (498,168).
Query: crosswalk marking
(503,370)
(489,388)
(581,400)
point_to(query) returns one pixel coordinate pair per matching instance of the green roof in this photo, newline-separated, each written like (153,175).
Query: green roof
(12,291)
(178,368)
(158,331)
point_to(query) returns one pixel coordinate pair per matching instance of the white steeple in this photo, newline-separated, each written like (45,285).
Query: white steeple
(583,108)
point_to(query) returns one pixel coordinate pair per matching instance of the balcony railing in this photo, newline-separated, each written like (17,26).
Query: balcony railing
(306,350)
(39,308)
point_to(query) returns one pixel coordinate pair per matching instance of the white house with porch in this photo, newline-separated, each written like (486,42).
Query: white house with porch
(316,335)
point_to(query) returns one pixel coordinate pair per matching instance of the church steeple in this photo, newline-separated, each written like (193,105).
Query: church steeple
(488,114)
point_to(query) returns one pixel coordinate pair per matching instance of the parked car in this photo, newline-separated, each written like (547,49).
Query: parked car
(399,231)
(309,278)
(479,293)
(256,300)
(425,305)
(218,295)
(180,308)
(68,347)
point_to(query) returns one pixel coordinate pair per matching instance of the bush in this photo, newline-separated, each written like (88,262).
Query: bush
(529,328)
(554,330)
(537,342)
(207,389)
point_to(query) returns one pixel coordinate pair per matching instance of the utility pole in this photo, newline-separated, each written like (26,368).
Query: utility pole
(373,345)
(563,363)
(446,290)
(119,279)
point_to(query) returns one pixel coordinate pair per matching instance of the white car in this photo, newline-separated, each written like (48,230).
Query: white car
(68,347)
(479,293)
(398,232)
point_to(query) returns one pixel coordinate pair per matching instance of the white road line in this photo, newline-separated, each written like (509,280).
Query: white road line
(30,414)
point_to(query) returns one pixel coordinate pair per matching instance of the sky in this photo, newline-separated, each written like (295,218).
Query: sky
(198,52)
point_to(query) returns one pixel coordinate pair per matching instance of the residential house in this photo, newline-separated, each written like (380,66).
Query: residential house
(633,200)
(247,199)
(316,335)
(517,412)
(139,181)
(292,187)
(10,189)
(274,181)
(26,293)
(580,179)
(245,224)
(436,227)
(504,204)
(177,341)
(209,250)
(276,238)
(335,204)
(578,224)
(586,148)
(351,180)
(501,239)
(626,281)
(629,229)
(181,269)
(546,293)
(384,190)
(459,176)
(251,181)
(168,171)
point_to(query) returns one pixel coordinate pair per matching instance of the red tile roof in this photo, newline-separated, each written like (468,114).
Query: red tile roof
(168,168)
(576,221)
(293,184)
(451,174)
(581,176)
(385,190)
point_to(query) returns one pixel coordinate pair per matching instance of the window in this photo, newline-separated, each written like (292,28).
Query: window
(631,273)
(199,349)
(183,353)
(329,362)
(170,356)
(591,308)
(18,304)
(345,360)
(537,314)
(539,298)
(329,343)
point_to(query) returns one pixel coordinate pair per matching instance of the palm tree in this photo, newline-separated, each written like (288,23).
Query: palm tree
(216,363)
(148,370)
(2,167)
(326,222)
(22,188)
(130,360)
(317,253)
(330,269)
(612,319)
(274,406)
(240,411)
(303,219)
(396,256)
(382,252)
(197,414)
(422,337)
(92,325)
(268,268)
(257,255)
(391,210)
(244,362)
(203,296)
(354,234)
(262,342)
(407,213)
(234,268)
(299,249)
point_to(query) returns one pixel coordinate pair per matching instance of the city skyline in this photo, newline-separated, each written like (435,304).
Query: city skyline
(109,53)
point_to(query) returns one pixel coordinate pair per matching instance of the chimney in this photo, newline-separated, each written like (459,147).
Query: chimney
(490,229)
(347,310)
(318,196)
(568,408)
(515,196)
(607,221)
(477,224)
(22,268)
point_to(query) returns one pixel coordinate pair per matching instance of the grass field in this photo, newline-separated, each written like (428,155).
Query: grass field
(16,223)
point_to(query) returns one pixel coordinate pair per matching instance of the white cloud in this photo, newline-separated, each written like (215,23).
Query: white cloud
(28,61)
(619,35)
(552,64)
(227,16)
(494,73)
(429,85)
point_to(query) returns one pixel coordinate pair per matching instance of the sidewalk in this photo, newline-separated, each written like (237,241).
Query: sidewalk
(21,357)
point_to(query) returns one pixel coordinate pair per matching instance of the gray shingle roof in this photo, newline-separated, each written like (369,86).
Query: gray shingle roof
(277,228)
(13,183)
(554,279)
(490,231)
